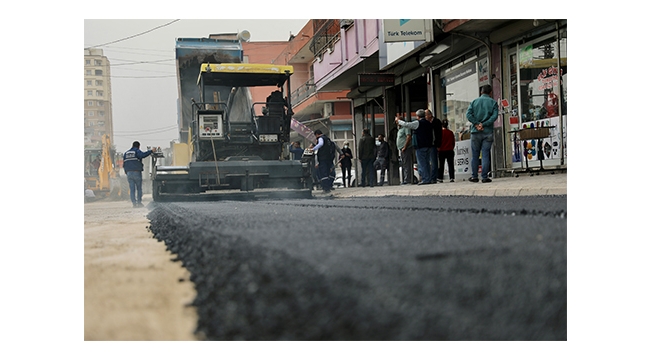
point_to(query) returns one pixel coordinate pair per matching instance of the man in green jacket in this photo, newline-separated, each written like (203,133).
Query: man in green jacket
(482,113)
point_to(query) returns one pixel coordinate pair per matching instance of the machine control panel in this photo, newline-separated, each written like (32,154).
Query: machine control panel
(211,126)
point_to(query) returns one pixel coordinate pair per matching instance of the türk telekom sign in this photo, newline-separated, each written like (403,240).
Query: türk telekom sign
(397,30)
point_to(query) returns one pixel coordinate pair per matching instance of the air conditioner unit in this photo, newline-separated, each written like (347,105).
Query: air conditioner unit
(327,110)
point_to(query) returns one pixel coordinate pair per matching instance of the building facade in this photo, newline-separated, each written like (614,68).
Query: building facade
(354,74)
(98,115)
(396,66)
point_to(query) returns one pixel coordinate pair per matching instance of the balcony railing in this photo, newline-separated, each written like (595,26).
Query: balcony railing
(325,36)
(303,91)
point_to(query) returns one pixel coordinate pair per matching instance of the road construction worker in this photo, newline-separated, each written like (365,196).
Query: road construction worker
(133,168)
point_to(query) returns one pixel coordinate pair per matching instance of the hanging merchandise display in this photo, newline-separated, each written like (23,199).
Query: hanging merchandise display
(537,90)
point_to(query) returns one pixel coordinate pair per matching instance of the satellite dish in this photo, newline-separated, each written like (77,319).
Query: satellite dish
(244,35)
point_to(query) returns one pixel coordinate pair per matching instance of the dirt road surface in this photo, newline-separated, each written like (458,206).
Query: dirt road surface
(132,289)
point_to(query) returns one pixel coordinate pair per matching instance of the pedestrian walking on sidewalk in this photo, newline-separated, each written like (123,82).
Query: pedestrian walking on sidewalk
(446,152)
(381,162)
(366,153)
(482,112)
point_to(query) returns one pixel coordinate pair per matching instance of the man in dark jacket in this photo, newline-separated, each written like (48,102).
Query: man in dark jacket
(437,141)
(366,154)
(423,145)
(325,150)
(346,163)
(133,168)
(296,150)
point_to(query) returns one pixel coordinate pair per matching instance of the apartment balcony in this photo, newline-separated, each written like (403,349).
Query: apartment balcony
(327,34)
(303,92)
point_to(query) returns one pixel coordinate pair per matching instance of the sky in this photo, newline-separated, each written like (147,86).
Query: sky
(144,94)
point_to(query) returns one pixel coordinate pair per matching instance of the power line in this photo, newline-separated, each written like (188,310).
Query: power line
(132,36)
(143,62)
(142,70)
(112,48)
(143,77)
(146,132)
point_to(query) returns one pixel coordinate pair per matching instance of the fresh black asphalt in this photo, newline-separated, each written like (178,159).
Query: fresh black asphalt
(389,268)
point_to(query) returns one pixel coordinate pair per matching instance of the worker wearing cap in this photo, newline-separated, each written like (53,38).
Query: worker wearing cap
(133,168)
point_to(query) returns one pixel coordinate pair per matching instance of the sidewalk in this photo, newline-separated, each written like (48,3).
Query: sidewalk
(524,185)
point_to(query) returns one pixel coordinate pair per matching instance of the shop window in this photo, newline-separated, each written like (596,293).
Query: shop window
(539,80)
(538,99)
(460,84)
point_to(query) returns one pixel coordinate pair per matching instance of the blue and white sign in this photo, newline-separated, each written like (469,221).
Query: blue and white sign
(397,30)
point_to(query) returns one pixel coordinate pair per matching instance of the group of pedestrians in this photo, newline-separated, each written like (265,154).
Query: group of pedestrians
(427,138)
(374,156)
(434,143)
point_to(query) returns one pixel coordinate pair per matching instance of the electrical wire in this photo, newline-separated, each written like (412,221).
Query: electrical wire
(146,132)
(133,62)
(144,77)
(112,48)
(132,36)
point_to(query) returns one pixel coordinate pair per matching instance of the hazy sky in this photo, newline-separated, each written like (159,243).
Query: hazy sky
(145,94)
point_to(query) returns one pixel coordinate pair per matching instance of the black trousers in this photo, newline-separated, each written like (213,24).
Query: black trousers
(346,169)
(447,156)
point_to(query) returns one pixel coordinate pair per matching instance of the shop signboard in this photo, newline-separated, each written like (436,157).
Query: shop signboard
(398,30)
(459,74)
(384,79)
(463,159)
(483,73)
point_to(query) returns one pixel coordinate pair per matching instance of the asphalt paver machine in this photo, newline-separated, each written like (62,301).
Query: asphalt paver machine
(237,147)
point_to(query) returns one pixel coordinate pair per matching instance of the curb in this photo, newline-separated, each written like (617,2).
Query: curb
(555,184)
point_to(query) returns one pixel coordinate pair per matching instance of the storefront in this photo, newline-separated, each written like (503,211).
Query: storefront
(529,80)
(536,95)
(456,84)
